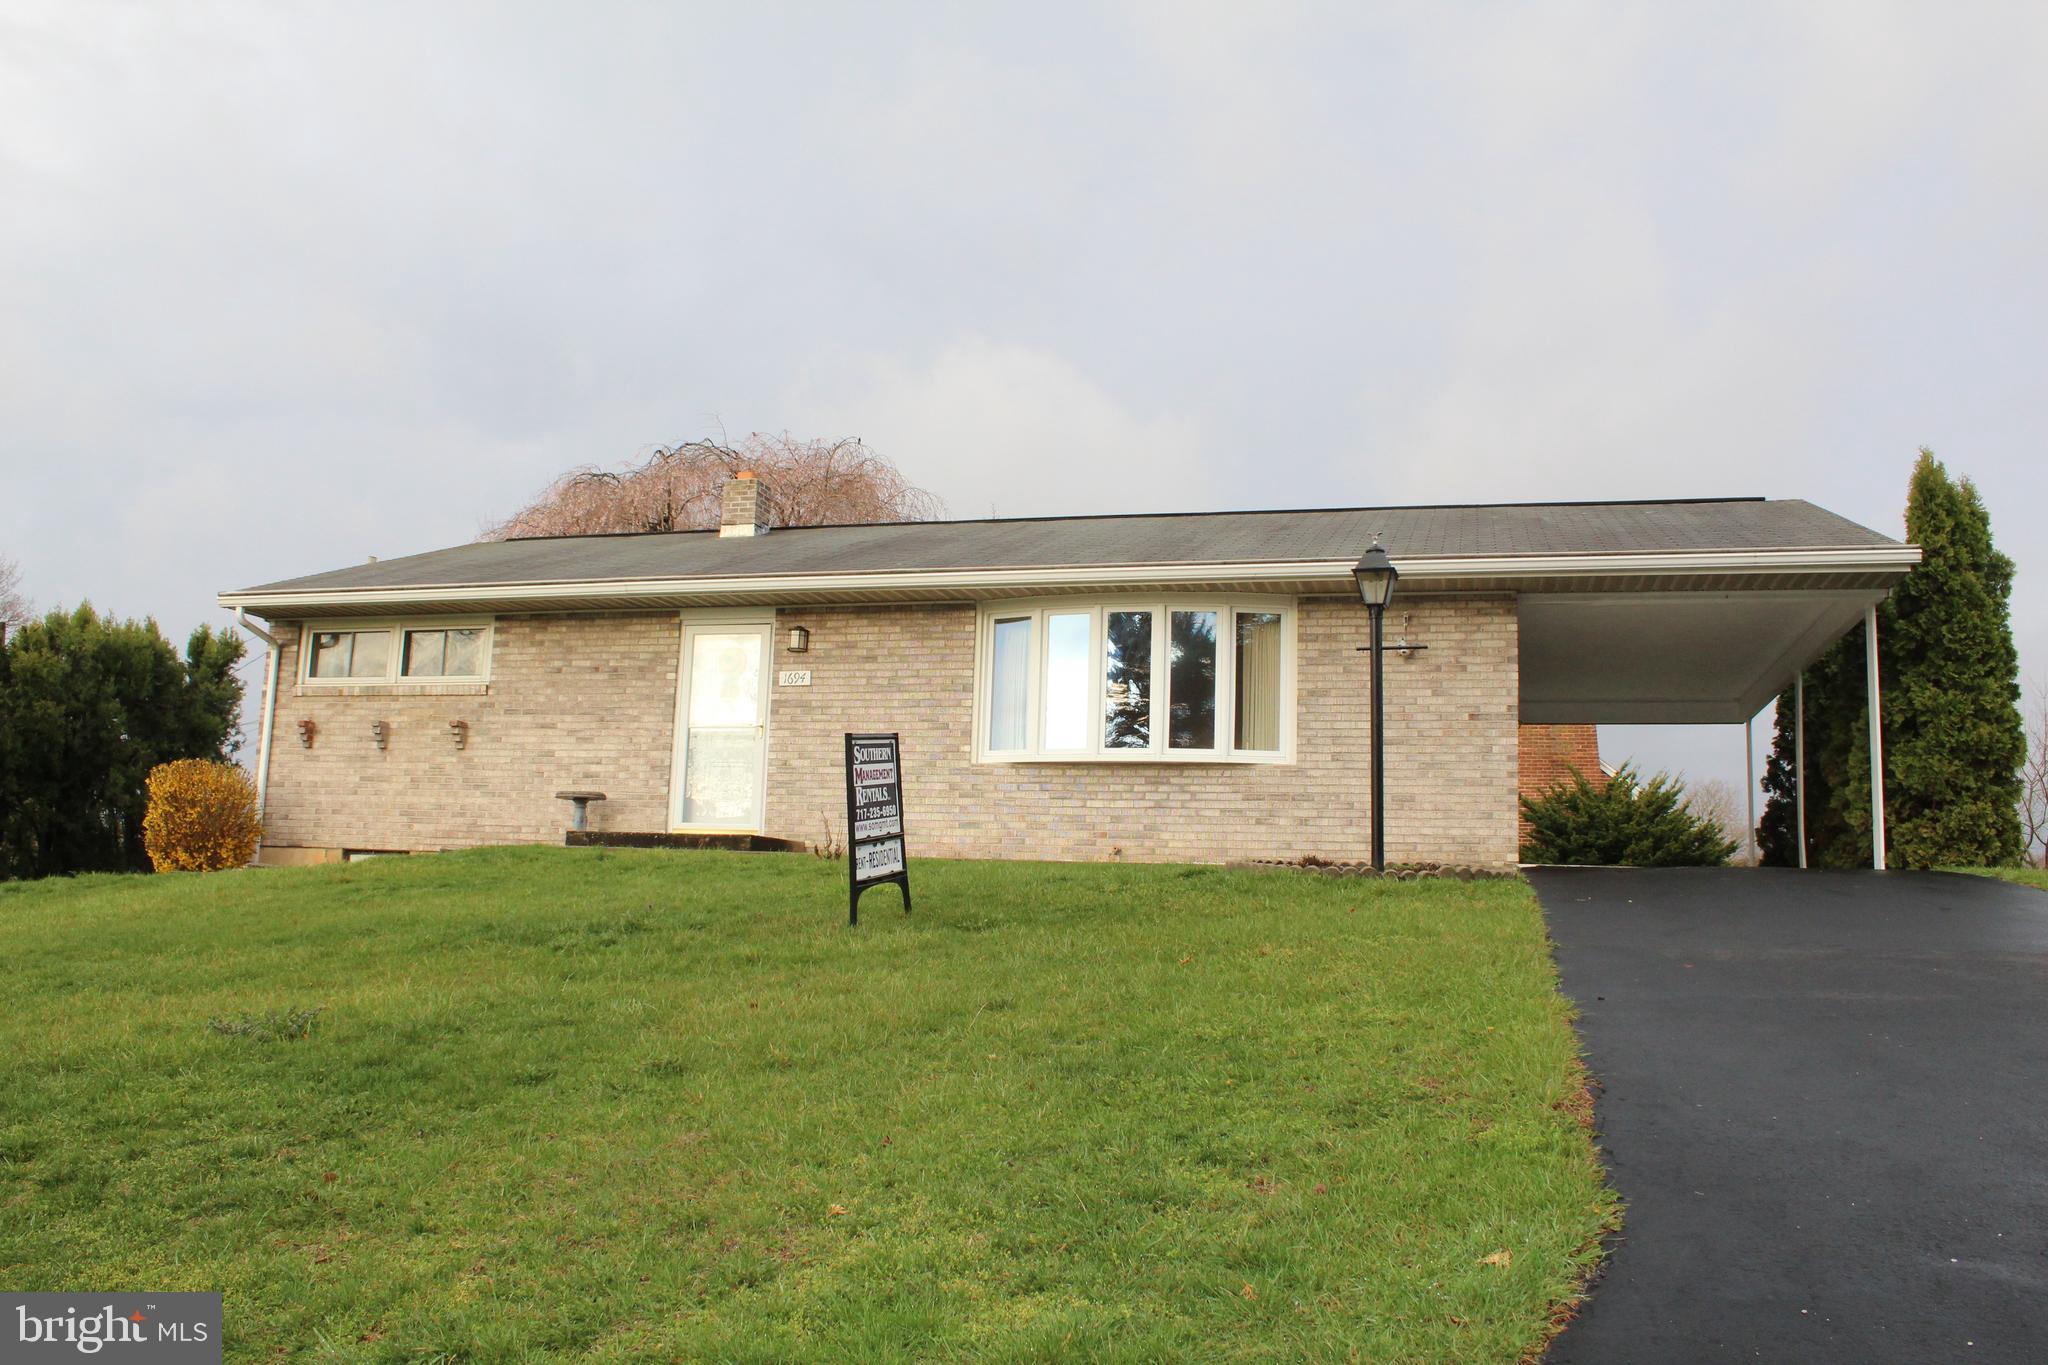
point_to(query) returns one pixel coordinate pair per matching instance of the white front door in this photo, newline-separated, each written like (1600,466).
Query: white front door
(724,721)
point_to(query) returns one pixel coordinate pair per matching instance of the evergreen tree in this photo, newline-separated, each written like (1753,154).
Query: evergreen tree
(1834,698)
(1777,829)
(1953,737)
(87,707)
(1621,823)
(1837,693)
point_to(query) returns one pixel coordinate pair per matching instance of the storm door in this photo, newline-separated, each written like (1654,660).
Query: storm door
(724,719)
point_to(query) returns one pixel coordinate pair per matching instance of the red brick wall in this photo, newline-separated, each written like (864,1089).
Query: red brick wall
(1550,752)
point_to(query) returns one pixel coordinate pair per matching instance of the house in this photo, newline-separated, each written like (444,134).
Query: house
(1183,686)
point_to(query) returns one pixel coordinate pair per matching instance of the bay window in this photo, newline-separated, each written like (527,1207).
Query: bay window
(1127,699)
(1257,670)
(1010,692)
(1121,680)
(1066,680)
(1192,680)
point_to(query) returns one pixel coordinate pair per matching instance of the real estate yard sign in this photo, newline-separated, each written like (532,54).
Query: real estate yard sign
(874,818)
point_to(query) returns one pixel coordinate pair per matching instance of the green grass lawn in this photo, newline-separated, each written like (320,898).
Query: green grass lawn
(645,1106)
(2024,876)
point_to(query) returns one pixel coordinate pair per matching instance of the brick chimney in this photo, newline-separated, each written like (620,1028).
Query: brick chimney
(745,512)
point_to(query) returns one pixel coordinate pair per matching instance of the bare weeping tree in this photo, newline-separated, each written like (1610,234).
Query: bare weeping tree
(677,488)
(1722,803)
(2034,780)
(15,608)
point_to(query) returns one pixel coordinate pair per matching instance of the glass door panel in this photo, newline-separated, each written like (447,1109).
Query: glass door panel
(725,739)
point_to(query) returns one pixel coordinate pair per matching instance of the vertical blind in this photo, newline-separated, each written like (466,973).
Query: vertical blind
(1009,700)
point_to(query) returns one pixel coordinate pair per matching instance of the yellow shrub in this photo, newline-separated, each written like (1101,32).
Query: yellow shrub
(201,816)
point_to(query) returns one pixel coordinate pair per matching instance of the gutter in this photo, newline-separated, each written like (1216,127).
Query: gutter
(1874,559)
(269,708)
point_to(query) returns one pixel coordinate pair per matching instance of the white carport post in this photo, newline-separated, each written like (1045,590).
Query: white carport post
(1749,784)
(1876,741)
(1799,759)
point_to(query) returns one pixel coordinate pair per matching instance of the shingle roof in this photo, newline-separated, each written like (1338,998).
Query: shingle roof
(1409,534)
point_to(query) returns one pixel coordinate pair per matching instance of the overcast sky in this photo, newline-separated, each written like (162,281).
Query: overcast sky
(286,285)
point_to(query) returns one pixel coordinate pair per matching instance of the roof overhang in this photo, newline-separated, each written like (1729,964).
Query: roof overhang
(1747,572)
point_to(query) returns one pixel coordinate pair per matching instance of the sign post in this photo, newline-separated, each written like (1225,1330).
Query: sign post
(874,818)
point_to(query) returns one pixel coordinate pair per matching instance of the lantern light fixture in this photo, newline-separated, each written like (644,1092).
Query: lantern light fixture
(799,639)
(1375,574)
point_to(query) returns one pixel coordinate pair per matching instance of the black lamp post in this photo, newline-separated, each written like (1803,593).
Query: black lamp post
(1376,574)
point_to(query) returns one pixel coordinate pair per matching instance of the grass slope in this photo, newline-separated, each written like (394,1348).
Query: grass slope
(2022,876)
(630,1106)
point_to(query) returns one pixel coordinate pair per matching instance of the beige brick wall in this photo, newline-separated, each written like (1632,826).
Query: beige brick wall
(573,702)
(589,701)
(1451,748)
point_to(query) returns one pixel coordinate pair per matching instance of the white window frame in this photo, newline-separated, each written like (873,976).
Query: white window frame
(399,627)
(1162,606)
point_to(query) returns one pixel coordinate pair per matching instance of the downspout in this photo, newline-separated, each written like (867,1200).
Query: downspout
(269,707)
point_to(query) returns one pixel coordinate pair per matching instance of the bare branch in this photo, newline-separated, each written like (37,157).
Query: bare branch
(15,608)
(1720,802)
(2034,778)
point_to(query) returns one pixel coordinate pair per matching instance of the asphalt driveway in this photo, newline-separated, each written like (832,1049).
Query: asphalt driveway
(1825,1101)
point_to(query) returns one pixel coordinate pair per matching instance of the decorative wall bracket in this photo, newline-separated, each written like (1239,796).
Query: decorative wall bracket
(1405,647)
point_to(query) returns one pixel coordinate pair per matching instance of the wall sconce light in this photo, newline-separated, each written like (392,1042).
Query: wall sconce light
(307,729)
(458,730)
(799,639)
(381,733)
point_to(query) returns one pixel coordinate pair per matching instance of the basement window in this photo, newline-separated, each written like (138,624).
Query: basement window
(396,652)
(451,653)
(341,654)
(1161,680)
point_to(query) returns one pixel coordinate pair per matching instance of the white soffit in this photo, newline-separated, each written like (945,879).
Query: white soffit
(1679,658)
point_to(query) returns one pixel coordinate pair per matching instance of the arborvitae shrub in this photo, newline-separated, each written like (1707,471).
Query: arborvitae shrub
(1953,739)
(201,817)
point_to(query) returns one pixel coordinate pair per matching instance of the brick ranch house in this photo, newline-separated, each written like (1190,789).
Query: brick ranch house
(1170,687)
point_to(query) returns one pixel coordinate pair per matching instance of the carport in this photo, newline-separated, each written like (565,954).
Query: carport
(1690,644)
